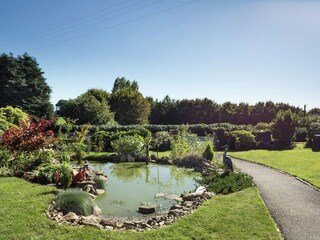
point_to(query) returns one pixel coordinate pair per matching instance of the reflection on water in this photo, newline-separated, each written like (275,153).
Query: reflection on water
(131,184)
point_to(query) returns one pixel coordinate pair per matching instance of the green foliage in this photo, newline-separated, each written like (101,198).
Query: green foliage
(99,141)
(283,130)
(226,183)
(189,161)
(208,153)
(128,104)
(301,134)
(23,85)
(11,117)
(133,145)
(100,183)
(180,144)
(66,176)
(75,201)
(46,173)
(244,140)
(160,139)
(91,107)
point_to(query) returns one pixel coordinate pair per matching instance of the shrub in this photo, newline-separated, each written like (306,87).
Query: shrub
(244,140)
(99,141)
(283,130)
(75,201)
(222,183)
(11,117)
(28,136)
(133,145)
(100,183)
(66,176)
(180,145)
(301,134)
(46,173)
(190,161)
(208,153)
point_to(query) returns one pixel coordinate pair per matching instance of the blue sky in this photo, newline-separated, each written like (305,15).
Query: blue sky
(238,51)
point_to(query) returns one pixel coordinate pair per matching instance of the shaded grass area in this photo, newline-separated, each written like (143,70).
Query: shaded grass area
(300,162)
(240,215)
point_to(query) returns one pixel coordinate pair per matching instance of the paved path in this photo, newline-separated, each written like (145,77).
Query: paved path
(294,205)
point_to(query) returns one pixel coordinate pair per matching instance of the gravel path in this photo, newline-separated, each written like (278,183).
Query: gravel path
(294,205)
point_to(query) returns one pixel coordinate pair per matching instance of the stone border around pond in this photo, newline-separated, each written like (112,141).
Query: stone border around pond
(189,202)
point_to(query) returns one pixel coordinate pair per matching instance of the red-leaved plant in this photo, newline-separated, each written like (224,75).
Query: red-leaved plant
(29,136)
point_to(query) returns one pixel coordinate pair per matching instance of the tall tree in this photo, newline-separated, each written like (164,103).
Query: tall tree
(128,104)
(91,107)
(22,85)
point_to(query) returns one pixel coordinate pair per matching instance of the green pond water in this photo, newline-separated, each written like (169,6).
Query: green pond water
(132,184)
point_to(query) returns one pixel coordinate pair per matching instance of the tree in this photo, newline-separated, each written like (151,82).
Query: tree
(11,117)
(22,85)
(121,83)
(129,105)
(283,130)
(91,107)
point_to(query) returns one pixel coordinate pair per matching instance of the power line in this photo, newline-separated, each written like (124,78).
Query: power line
(68,27)
(119,24)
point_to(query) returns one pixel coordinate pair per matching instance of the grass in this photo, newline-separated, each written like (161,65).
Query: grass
(75,201)
(161,154)
(300,162)
(238,216)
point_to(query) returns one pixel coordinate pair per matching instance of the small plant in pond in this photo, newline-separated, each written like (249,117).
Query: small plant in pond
(226,183)
(75,201)
(208,153)
(100,183)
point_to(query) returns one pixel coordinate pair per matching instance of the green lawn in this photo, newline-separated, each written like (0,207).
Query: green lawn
(300,162)
(236,216)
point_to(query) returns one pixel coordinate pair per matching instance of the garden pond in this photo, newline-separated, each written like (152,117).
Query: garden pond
(133,184)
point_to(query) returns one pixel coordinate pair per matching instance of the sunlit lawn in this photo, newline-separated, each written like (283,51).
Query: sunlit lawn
(300,162)
(236,216)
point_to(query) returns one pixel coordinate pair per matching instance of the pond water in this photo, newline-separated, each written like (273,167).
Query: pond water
(132,184)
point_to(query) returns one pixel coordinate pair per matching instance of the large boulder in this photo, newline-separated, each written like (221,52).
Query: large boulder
(147,209)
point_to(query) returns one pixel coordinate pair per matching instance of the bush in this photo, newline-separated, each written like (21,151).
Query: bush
(244,140)
(133,145)
(190,161)
(283,130)
(222,183)
(46,173)
(301,134)
(208,153)
(66,175)
(75,201)
(28,136)
(100,183)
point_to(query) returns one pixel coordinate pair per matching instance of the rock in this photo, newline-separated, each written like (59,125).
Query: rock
(71,217)
(160,194)
(176,212)
(108,228)
(92,221)
(90,189)
(84,183)
(145,225)
(187,203)
(105,222)
(176,207)
(200,190)
(171,197)
(130,158)
(97,211)
(129,225)
(100,191)
(103,178)
(147,209)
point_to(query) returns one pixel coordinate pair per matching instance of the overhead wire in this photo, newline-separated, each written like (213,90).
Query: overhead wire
(118,24)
